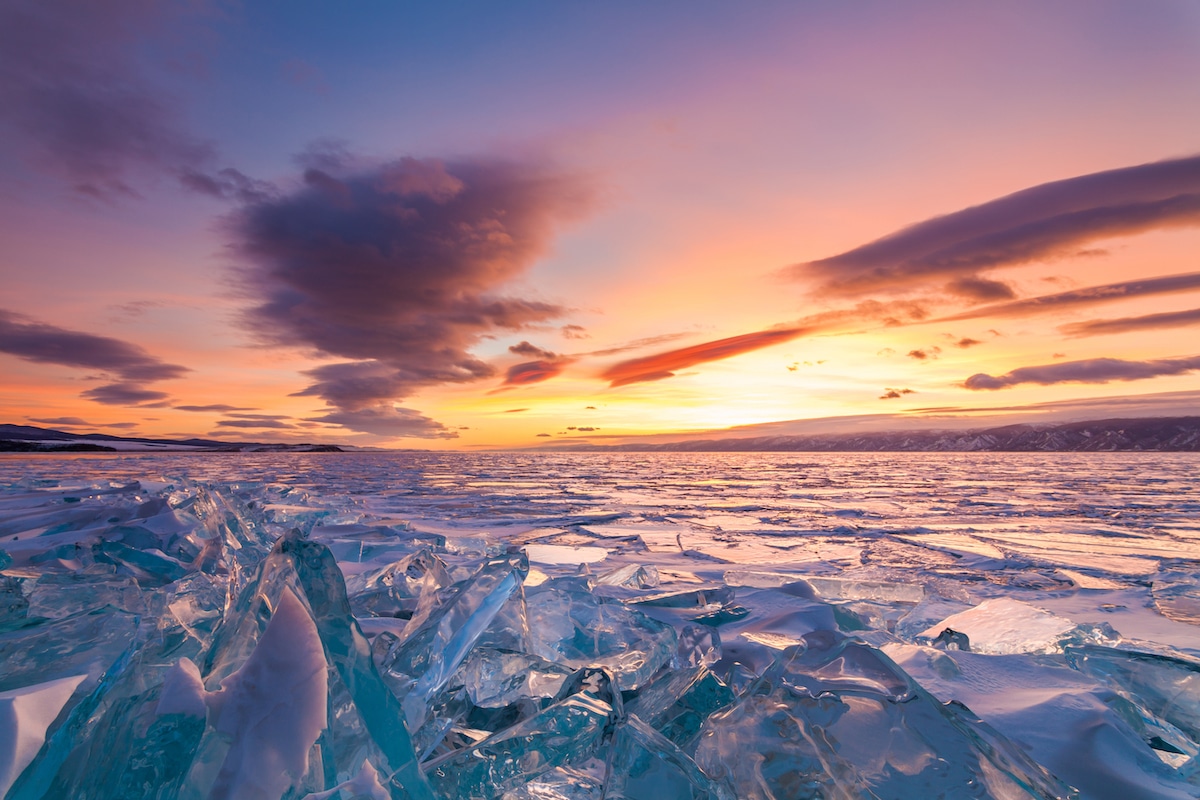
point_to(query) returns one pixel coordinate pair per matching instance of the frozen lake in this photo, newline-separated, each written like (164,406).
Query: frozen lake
(1070,584)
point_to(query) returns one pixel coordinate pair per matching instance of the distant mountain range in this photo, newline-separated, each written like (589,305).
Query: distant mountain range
(29,439)
(1176,434)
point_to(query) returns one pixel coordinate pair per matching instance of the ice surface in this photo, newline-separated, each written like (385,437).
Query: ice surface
(1004,625)
(25,714)
(368,625)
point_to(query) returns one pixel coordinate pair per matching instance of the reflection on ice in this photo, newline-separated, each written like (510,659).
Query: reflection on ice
(688,629)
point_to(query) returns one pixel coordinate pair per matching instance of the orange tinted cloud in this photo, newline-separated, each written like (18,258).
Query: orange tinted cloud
(663,365)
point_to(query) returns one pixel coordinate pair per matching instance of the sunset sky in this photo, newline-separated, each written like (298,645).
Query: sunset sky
(470,224)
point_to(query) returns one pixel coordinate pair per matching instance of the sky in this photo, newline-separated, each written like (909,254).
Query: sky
(507,225)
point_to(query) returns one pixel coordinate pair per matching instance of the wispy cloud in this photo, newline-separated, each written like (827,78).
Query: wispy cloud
(77,422)
(217,407)
(38,342)
(1095,370)
(664,365)
(400,268)
(75,99)
(254,423)
(1097,327)
(388,421)
(1048,221)
(1092,295)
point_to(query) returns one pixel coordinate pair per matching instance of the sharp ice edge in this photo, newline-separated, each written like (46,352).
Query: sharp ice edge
(205,635)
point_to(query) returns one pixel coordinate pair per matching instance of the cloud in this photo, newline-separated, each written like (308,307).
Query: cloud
(38,342)
(124,394)
(966,342)
(1095,370)
(1052,220)
(527,349)
(75,100)
(1097,327)
(76,422)
(547,435)
(664,365)
(400,268)
(219,407)
(514,410)
(389,421)
(1092,295)
(228,184)
(574,332)
(892,394)
(253,423)
(925,353)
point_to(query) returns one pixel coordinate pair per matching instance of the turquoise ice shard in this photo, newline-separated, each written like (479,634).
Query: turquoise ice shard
(25,715)
(567,732)
(645,764)
(397,589)
(678,701)
(497,678)
(716,595)
(425,660)
(631,576)
(272,708)
(698,644)
(1162,686)
(578,629)
(367,719)
(814,726)
(561,783)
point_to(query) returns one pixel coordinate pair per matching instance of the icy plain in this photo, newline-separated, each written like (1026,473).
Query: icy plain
(519,626)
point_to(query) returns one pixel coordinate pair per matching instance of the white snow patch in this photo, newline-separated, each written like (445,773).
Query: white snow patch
(1003,625)
(25,715)
(564,554)
(273,708)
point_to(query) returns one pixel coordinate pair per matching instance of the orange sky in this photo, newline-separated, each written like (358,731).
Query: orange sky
(484,229)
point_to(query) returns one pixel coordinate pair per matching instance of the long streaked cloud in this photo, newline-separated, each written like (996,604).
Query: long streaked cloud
(1094,370)
(399,267)
(1091,295)
(658,366)
(665,365)
(1047,221)
(132,366)
(1147,322)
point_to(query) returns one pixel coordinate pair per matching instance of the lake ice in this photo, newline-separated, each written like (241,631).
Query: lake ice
(515,625)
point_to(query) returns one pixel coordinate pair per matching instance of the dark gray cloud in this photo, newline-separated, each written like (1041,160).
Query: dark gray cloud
(532,351)
(77,422)
(125,394)
(1095,370)
(228,184)
(219,407)
(76,99)
(254,423)
(389,421)
(1092,295)
(1052,220)
(399,268)
(30,340)
(38,342)
(1147,322)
